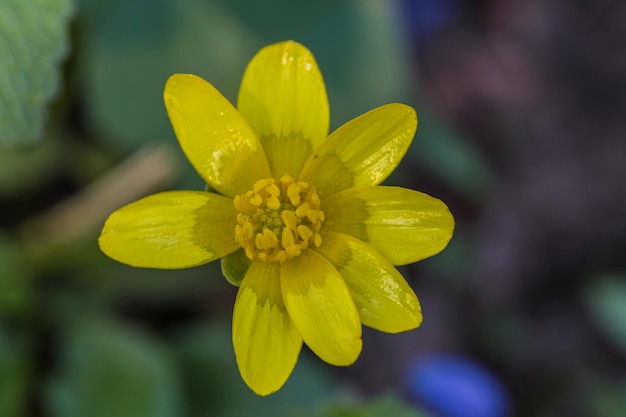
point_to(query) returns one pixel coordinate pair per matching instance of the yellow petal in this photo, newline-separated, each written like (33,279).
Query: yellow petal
(405,226)
(174,229)
(283,97)
(362,152)
(381,294)
(266,342)
(320,305)
(215,137)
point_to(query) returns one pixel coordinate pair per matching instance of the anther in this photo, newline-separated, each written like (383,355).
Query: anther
(277,220)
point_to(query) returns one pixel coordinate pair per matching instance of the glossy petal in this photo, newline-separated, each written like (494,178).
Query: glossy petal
(320,305)
(381,294)
(405,226)
(362,152)
(215,137)
(283,97)
(266,342)
(174,229)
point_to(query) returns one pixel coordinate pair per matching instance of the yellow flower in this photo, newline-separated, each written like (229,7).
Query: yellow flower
(296,215)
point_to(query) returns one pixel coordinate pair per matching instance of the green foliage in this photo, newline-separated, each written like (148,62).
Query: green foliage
(607,399)
(131,48)
(33,40)
(384,406)
(606,299)
(109,369)
(15,291)
(217,390)
(14,373)
(21,171)
(451,157)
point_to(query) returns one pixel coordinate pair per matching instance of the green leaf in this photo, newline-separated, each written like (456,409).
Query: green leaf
(217,390)
(606,398)
(22,171)
(383,406)
(109,369)
(33,40)
(451,157)
(15,283)
(380,407)
(131,48)
(14,373)
(606,298)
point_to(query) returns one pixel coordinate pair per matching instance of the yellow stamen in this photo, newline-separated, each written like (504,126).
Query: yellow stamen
(304,232)
(277,220)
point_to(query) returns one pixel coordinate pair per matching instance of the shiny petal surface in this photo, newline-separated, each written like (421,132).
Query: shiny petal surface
(405,226)
(381,294)
(362,152)
(217,140)
(320,305)
(174,229)
(283,97)
(266,342)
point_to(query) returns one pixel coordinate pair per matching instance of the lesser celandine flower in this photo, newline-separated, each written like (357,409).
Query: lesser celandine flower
(296,215)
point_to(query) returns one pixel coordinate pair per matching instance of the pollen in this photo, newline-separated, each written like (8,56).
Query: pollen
(278,219)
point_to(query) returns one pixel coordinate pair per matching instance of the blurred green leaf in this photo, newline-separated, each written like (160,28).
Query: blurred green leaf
(452,262)
(383,406)
(125,61)
(108,369)
(131,48)
(21,170)
(122,282)
(217,390)
(33,40)
(380,407)
(15,282)
(451,157)
(14,373)
(606,298)
(606,399)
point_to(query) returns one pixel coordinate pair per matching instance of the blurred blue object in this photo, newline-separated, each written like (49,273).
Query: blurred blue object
(423,17)
(452,386)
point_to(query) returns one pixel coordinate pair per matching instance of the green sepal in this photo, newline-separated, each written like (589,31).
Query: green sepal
(235,266)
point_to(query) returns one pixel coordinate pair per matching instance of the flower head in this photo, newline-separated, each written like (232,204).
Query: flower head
(296,215)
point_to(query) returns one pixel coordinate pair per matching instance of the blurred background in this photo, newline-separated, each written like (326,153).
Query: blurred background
(522,110)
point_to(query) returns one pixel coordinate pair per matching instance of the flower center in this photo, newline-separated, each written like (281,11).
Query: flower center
(277,220)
